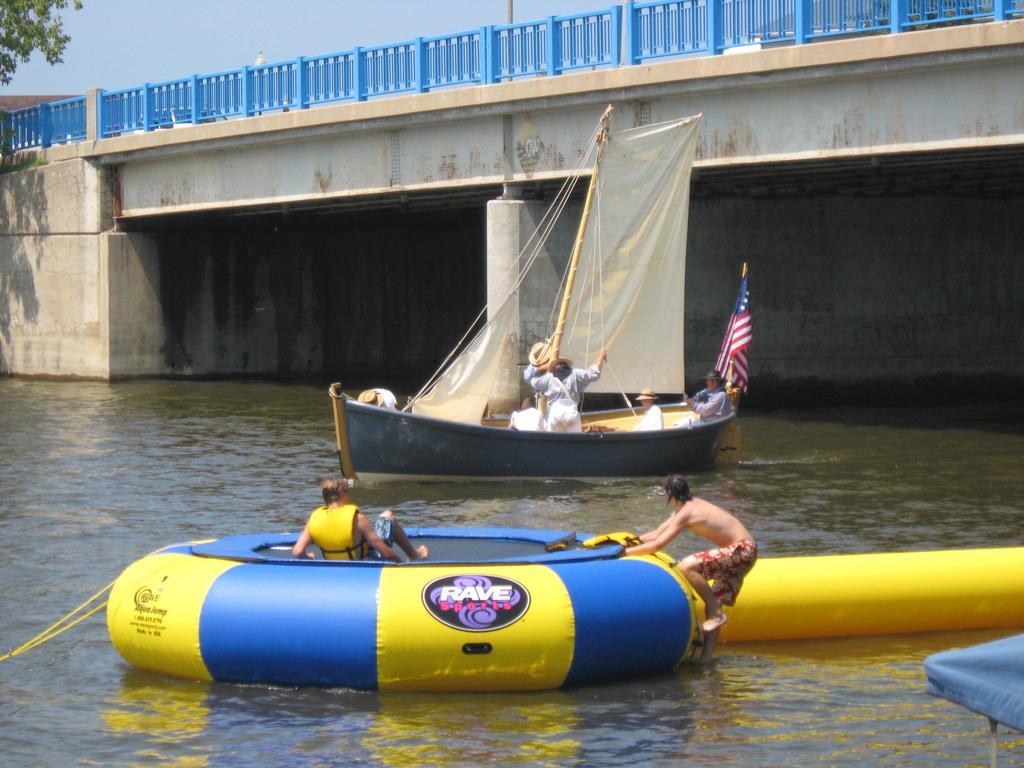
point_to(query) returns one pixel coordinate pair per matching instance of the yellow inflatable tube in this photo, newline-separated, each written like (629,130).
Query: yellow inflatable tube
(843,595)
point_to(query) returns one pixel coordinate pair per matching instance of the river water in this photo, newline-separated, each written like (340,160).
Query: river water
(94,476)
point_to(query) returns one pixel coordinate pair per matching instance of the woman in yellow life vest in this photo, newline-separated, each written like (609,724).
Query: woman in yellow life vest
(344,533)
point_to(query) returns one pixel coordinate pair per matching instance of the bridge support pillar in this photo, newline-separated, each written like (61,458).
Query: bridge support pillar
(52,288)
(76,298)
(511,223)
(130,306)
(504,241)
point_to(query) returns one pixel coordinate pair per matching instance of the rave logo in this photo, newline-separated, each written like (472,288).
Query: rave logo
(476,603)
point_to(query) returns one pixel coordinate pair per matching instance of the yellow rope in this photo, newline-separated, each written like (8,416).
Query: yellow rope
(35,643)
(52,631)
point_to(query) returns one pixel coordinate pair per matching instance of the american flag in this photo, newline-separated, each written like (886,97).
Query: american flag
(737,339)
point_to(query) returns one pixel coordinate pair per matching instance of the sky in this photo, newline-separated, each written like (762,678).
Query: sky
(122,43)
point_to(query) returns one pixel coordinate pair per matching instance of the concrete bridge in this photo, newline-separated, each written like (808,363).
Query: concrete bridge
(871,182)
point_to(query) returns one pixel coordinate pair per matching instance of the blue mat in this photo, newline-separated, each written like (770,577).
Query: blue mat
(986,678)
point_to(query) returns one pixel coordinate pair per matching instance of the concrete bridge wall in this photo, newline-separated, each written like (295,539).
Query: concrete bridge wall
(828,112)
(850,293)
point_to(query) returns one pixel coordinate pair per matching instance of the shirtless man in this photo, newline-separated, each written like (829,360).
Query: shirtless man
(733,558)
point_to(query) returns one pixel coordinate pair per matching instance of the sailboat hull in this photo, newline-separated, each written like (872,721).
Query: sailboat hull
(388,444)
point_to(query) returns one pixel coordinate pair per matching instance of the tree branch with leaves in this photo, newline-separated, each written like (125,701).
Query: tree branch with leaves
(27,26)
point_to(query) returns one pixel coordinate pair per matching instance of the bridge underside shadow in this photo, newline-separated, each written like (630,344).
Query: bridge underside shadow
(874,280)
(864,273)
(362,296)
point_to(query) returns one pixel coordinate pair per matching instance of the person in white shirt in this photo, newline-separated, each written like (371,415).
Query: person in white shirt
(652,414)
(528,418)
(562,385)
(383,398)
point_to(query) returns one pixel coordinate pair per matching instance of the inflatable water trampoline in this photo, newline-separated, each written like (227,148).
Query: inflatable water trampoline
(512,609)
(492,609)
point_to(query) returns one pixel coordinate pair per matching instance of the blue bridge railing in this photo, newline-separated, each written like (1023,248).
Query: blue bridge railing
(55,122)
(627,34)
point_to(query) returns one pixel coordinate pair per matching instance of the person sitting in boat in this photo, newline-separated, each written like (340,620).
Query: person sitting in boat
(727,565)
(712,402)
(562,385)
(344,533)
(383,398)
(652,419)
(528,418)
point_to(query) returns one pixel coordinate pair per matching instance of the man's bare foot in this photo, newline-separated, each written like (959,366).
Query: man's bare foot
(421,552)
(714,622)
(708,648)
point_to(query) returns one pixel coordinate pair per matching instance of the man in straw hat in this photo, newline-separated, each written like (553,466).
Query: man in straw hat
(562,385)
(652,414)
(384,398)
(711,402)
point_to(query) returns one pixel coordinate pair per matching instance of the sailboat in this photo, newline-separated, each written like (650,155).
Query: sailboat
(623,291)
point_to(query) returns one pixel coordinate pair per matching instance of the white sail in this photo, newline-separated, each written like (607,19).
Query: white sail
(464,389)
(629,296)
(630,299)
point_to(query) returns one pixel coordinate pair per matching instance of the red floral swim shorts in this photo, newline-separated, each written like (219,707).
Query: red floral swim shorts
(727,567)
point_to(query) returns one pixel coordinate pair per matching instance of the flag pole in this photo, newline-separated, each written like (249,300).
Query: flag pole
(730,445)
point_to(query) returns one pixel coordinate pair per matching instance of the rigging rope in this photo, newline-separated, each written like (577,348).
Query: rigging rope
(618,383)
(604,340)
(546,224)
(596,277)
(579,306)
(595,257)
(565,272)
(557,205)
(595,262)
(56,628)
(598,261)
(600,272)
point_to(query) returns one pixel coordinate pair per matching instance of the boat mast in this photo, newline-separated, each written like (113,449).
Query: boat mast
(602,140)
